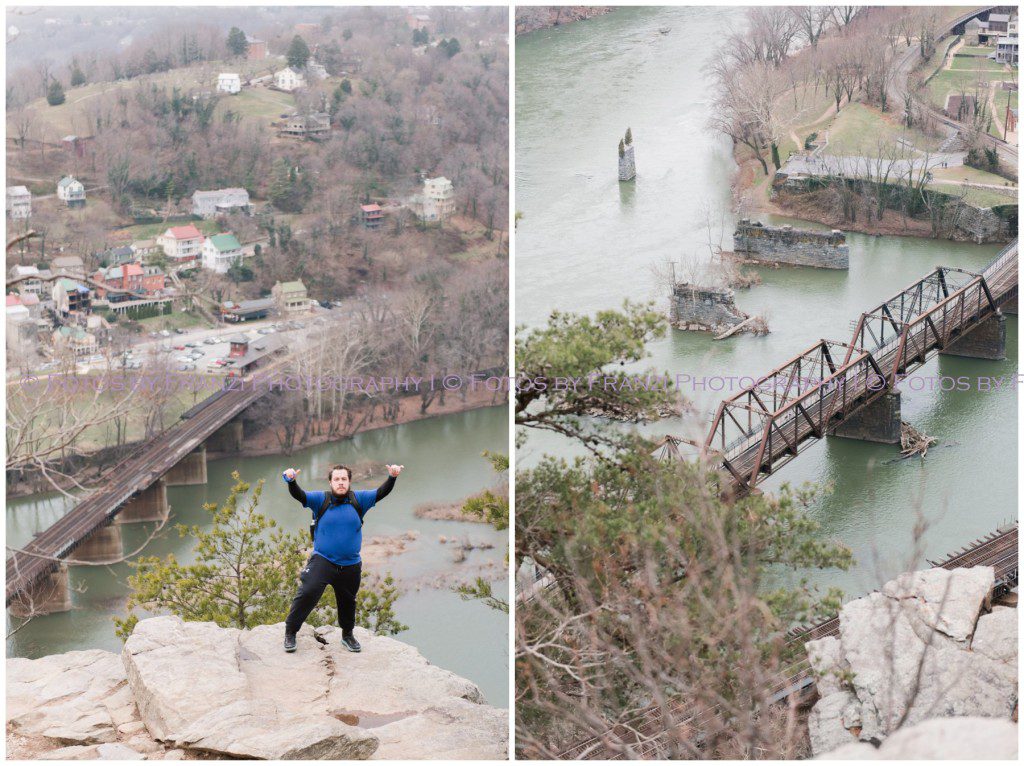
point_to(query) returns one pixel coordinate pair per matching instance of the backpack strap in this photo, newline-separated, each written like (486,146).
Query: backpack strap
(350,498)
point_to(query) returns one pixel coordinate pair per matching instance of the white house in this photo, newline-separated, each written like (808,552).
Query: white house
(1006,50)
(181,243)
(220,251)
(19,202)
(71,191)
(288,79)
(209,204)
(229,82)
(438,200)
(30,281)
(317,70)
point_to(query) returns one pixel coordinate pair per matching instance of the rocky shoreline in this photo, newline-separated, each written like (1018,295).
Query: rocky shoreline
(531,18)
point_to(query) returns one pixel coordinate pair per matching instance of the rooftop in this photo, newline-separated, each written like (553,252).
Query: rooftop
(225,242)
(184,232)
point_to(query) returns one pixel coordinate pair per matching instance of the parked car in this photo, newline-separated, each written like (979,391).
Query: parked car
(165,333)
(192,344)
(179,348)
(179,331)
(210,341)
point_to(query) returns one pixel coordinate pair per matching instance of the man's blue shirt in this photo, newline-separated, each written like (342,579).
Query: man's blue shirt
(339,534)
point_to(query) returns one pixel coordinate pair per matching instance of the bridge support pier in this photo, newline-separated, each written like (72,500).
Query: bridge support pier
(149,505)
(1010,307)
(191,469)
(227,438)
(986,341)
(103,546)
(51,593)
(877,422)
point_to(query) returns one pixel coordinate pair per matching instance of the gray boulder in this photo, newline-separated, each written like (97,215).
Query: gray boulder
(949,739)
(919,649)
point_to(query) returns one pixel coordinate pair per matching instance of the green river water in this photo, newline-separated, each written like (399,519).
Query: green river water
(586,242)
(443,463)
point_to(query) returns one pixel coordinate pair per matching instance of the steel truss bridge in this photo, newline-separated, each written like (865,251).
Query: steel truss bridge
(764,426)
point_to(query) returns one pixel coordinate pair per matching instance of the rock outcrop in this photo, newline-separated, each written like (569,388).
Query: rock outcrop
(922,648)
(186,687)
(940,739)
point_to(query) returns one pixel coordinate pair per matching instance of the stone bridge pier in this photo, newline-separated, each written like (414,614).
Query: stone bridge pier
(877,422)
(985,341)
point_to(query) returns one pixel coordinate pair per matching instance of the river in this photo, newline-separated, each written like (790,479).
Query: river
(443,463)
(587,242)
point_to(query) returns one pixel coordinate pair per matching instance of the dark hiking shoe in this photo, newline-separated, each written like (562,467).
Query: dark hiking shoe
(350,643)
(289,642)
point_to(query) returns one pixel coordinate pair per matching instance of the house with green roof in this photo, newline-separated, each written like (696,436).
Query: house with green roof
(290,297)
(71,297)
(220,251)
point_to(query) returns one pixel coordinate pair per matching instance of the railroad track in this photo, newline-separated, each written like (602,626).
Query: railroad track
(998,550)
(134,474)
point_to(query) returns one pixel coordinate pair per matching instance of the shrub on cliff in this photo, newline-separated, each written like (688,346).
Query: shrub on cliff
(657,596)
(245,574)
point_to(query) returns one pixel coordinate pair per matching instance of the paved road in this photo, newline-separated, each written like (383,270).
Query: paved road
(857,166)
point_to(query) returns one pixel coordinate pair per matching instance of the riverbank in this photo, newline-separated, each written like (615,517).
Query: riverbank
(407,410)
(268,441)
(530,19)
(751,193)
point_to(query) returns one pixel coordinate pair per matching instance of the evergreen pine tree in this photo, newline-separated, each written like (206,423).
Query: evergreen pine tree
(629,136)
(298,53)
(77,75)
(237,43)
(55,93)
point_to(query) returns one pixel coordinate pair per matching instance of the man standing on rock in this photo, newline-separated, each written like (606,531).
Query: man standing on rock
(337,531)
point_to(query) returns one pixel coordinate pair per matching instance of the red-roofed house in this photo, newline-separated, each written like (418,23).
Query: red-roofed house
(125,277)
(13,300)
(181,243)
(371,216)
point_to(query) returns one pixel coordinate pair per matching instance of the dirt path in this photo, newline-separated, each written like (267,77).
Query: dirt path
(824,115)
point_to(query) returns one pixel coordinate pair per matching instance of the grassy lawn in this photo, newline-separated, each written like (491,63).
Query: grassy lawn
(178,319)
(857,129)
(961,63)
(972,175)
(151,230)
(980,50)
(258,102)
(72,115)
(976,197)
(952,81)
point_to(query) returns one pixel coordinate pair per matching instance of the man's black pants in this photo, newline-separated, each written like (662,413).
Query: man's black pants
(316,576)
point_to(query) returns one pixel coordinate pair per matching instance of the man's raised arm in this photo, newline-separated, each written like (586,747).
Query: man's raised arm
(384,489)
(293,485)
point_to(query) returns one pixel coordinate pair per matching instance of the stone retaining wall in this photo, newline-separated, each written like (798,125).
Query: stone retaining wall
(798,247)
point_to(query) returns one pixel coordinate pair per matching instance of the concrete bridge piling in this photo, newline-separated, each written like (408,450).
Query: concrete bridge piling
(50,593)
(190,470)
(103,546)
(148,505)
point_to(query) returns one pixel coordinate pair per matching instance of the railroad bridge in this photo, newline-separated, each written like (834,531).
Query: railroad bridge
(851,389)
(134,490)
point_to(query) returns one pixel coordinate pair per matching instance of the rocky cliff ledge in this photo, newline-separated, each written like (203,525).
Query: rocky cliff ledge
(193,690)
(924,649)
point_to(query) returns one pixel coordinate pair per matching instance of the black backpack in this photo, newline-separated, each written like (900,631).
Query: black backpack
(350,498)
